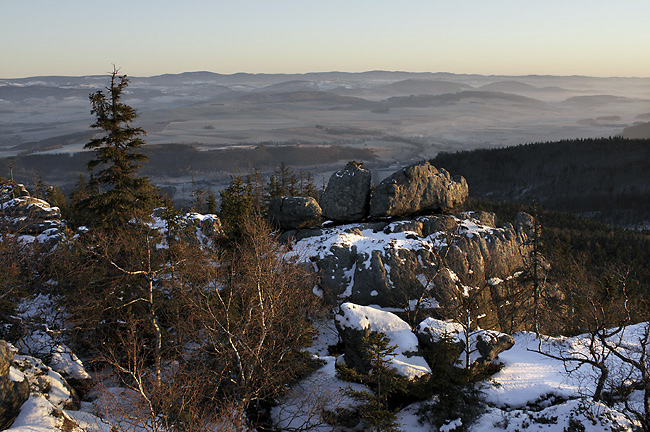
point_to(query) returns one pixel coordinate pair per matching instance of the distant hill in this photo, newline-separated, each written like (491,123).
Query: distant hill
(322,97)
(508,86)
(428,100)
(425,87)
(639,131)
(597,100)
(607,179)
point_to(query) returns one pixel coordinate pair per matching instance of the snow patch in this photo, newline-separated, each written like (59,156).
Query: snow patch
(397,330)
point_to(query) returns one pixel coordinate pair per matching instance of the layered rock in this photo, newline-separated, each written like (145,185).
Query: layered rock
(490,344)
(21,213)
(393,264)
(294,212)
(14,388)
(416,189)
(347,196)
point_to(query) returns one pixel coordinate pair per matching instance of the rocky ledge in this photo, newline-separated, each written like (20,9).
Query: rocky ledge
(23,214)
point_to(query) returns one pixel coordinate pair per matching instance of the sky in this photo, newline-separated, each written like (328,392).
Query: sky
(153,37)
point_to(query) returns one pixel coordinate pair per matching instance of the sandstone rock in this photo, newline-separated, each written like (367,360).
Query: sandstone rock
(417,188)
(394,266)
(353,322)
(294,212)
(21,213)
(347,196)
(210,225)
(12,393)
(438,223)
(431,332)
(490,344)
(407,225)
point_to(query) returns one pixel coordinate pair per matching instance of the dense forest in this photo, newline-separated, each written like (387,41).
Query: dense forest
(606,179)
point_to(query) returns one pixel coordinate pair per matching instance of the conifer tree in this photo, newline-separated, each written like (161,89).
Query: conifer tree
(381,378)
(283,182)
(237,205)
(117,192)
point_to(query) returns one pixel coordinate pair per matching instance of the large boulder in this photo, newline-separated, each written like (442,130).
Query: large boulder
(442,337)
(416,189)
(14,388)
(294,212)
(347,196)
(490,344)
(354,322)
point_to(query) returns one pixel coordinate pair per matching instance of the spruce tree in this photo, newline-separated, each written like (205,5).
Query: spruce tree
(117,193)
(237,205)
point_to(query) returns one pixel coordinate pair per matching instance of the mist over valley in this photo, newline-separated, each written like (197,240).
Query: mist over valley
(315,122)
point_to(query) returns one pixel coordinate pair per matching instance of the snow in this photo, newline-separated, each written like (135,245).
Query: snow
(597,418)
(35,416)
(15,375)
(321,391)
(61,358)
(365,241)
(438,329)
(469,228)
(528,375)
(452,425)
(397,330)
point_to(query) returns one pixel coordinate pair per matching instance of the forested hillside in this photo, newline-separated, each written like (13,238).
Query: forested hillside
(607,179)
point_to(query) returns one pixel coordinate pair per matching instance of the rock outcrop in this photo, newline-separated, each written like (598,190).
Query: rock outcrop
(354,322)
(14,388)
(347,196)
(23,214)
(490,344)
(391,264)
(294,212)
(485,345)
(416,189)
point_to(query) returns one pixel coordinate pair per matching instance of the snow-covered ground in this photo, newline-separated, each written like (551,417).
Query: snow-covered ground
(531,391)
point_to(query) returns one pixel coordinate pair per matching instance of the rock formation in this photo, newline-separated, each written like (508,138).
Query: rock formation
(14,388)
(416,189)
(294,212)
(490,344)
(347,196)
(391,264)
(23,214)
(355,321)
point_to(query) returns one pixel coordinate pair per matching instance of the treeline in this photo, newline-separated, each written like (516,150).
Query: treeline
(574,245)
(607,179)
(180,160)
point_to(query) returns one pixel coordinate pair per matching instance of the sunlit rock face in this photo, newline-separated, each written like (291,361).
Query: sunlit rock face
(29,217)
(436,257)
(416,189)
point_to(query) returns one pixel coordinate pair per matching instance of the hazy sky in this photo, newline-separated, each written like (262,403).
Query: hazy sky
(151,37)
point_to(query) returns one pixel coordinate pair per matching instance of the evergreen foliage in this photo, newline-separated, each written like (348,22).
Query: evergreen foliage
(607,179)
(237,205)
(116,192)
(283,183)
(381,378)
